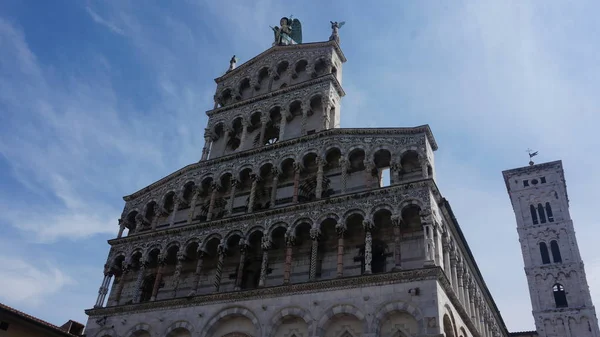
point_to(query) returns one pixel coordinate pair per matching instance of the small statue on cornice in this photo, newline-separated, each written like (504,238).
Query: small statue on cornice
(232,63)
(335,26)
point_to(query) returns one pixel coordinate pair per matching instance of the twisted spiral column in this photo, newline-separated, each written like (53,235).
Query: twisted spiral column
(368,226)
(265,245)
(240,271)
(221,251)
(341,230)
(289,246)
(314,236)
(397,223)
(177,275)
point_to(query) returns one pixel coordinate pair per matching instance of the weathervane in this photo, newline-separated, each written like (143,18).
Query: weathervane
(531,155)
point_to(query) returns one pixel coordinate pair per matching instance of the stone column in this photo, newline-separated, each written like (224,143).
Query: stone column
(296,181)
(289,246)
(263,128)
(207,144)
(304,120)
(240,271)
(211,206)
(226,135)
(319,188)
(244,135)
(341,230)
(121,228)
(282,124)
(159,273)
(231,200)
(368,226)
(175,206)
(314,250)
(397,223)
(459,282)
(446,254)
(196,192)
(394,168)
(255,180)
(453,272)
(326,117)
(344,166)
(467,286)
(103,290)
(265,245)
(275,173)
(177,275)
(125,270)
(428,237)
(472,300)
(221,251)
(368,172)
(198,272)
(139,280)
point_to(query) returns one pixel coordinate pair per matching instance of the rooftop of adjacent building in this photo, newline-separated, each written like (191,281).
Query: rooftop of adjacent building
(70,328)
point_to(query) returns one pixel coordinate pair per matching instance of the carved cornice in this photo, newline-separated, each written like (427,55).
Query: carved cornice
(426,185)
(373,280)
(274,49)
(423,129)
(275,93)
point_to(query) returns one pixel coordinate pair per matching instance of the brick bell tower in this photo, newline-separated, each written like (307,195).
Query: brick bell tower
(560,296)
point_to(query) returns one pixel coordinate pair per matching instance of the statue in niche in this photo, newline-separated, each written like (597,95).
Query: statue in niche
(289,32)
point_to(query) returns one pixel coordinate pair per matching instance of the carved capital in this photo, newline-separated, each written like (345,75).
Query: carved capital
(297,167)
(315,233)
(222,249)
(396,220)
(368,224)
(290,239)
(340,229)
(265,243)
(181,256)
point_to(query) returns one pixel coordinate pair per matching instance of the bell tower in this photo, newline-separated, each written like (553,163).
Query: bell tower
(560,296)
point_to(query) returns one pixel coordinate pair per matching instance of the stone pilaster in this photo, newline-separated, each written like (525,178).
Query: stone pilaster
(428,237)
(368,226)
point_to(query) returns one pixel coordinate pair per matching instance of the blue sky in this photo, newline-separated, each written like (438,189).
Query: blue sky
(101,98)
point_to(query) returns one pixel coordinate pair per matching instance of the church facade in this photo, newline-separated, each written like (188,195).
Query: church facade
(289,226)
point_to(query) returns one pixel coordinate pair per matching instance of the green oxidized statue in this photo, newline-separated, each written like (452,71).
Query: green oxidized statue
(290,32)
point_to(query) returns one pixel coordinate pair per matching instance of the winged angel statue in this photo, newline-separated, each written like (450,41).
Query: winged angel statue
(290,32)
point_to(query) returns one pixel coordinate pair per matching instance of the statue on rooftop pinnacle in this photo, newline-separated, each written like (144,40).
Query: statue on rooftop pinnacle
(335,26)
(289,32)
(232,63)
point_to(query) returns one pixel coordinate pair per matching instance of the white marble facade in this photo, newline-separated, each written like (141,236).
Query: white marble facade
(287,227)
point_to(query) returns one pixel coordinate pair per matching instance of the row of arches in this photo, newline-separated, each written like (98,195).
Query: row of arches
(314,175)
(334,246)
(270,78)
(315,112)
(398,319)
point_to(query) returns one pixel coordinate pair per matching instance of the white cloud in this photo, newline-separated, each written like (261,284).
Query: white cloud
(27,284)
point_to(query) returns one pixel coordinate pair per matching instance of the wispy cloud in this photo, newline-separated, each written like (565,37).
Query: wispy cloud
(100,20)
(28,284)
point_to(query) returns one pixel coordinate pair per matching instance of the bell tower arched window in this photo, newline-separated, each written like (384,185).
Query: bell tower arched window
(540,209)
(534,217)
(560,296)
(544,253)
(555,251)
